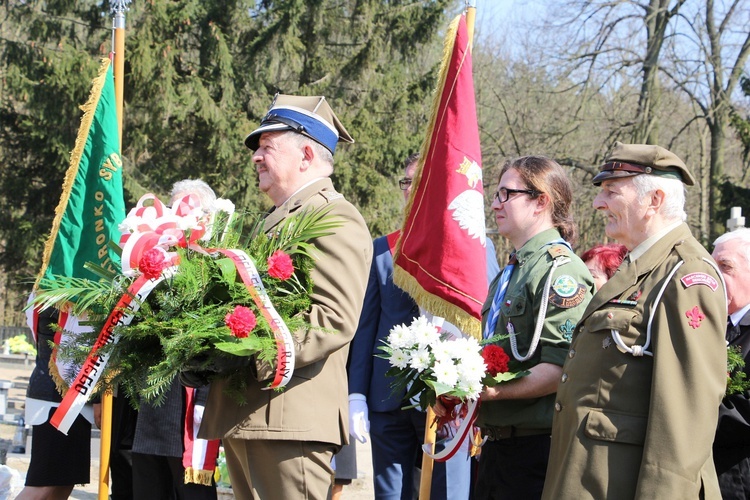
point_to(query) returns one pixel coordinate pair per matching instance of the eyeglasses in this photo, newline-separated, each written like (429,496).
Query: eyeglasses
(502,194)
(404,183)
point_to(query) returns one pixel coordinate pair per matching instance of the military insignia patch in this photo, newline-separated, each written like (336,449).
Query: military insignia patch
(567,292)
(558,251)
(695,317)
(567,330)
(606,342)
(700,279)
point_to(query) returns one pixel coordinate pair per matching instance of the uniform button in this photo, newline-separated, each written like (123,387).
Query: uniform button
(609,316)
(571,353)
(558,406)
(564,378)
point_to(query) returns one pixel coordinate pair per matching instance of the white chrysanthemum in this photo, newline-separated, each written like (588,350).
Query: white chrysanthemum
(472,388)
(399,359)
(187,222)
(420,359)
(425,334)
(446,373)
(465,348)
(443,350)
(400,337)
(472,369)
(224,205)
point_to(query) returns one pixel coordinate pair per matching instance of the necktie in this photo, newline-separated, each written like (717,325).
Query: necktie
(497,300)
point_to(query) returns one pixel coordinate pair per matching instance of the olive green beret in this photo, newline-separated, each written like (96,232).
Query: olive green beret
(627,160)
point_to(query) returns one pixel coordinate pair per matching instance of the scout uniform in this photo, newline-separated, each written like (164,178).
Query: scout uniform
(636,408)
(565,291)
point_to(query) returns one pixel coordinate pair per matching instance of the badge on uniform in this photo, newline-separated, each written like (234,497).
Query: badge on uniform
(567,330)
(567,292)
(693,279)
(695,316)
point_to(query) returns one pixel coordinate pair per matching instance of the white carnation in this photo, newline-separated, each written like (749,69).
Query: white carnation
(224,205)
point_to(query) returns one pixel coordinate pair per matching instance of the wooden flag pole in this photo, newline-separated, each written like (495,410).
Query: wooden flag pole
(105,443)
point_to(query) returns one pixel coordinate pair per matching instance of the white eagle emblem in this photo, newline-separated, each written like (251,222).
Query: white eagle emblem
(468,211)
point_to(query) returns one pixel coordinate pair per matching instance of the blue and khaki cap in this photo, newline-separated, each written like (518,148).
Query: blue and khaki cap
(627,160)
(307,115)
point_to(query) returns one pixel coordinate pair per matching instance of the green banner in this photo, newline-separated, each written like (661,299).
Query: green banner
(91,205)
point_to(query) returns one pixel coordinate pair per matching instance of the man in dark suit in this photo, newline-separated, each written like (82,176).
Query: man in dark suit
(396,434)
(732,442)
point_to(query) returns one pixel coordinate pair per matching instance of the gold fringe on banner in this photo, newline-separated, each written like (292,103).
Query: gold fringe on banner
(89,110)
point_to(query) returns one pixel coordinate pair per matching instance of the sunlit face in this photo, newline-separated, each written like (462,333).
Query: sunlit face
(515,216)
(277,161)
(409,174)
(731,256)
(600,277)
(619,200)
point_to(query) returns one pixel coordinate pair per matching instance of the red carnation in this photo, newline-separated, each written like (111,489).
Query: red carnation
(152,263)
(241,321)
(280,265)
(495,358)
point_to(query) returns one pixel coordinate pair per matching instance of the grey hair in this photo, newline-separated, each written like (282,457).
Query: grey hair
(302,140)
(742,234)
(674,194)
(197,187)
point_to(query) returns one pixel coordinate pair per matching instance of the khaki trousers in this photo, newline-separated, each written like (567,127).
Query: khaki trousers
(279,470)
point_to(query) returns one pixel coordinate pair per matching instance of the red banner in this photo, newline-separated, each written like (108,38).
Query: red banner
(440,259)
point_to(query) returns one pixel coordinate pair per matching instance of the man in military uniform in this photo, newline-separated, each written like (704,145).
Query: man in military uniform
(279,445)
(636,408)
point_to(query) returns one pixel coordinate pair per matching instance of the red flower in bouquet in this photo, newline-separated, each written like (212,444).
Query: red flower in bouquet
(280,265)
(152,263)
(241,321)
(496,359)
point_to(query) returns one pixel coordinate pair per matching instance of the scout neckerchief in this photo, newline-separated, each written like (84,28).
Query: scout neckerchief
(497,300)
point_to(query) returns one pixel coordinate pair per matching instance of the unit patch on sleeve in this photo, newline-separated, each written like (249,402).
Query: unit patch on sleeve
(567,292)
(695,317)
(700,279)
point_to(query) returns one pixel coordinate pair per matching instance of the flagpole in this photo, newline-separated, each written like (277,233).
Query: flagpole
(118,28)
(430,428)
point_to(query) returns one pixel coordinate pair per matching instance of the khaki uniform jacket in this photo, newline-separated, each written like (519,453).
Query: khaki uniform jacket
(641,427)
(314,405)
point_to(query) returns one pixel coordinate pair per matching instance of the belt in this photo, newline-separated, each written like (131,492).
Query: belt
(509,431)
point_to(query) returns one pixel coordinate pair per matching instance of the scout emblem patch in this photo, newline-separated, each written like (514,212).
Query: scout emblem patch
(700,279)
(567,329)
(567,292)
(695,316)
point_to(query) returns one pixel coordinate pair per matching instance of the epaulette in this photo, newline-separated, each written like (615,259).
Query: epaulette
(558,250)
(331,195)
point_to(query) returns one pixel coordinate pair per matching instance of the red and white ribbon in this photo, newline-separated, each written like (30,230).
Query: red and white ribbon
(452,446)
(284,340)
(87,378)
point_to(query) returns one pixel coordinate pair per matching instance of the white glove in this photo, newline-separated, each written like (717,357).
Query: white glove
(198,414)
(359,423)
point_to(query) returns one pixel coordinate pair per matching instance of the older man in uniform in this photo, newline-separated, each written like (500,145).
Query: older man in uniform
(732,442)
(279,445)
(638,400)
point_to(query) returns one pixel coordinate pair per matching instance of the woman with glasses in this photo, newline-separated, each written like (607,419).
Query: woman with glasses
(535,304)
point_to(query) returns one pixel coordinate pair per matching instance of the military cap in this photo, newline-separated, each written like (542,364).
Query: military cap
(627,160)
(308,115)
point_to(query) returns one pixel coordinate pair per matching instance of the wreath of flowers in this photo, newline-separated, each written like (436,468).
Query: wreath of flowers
(202,312)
